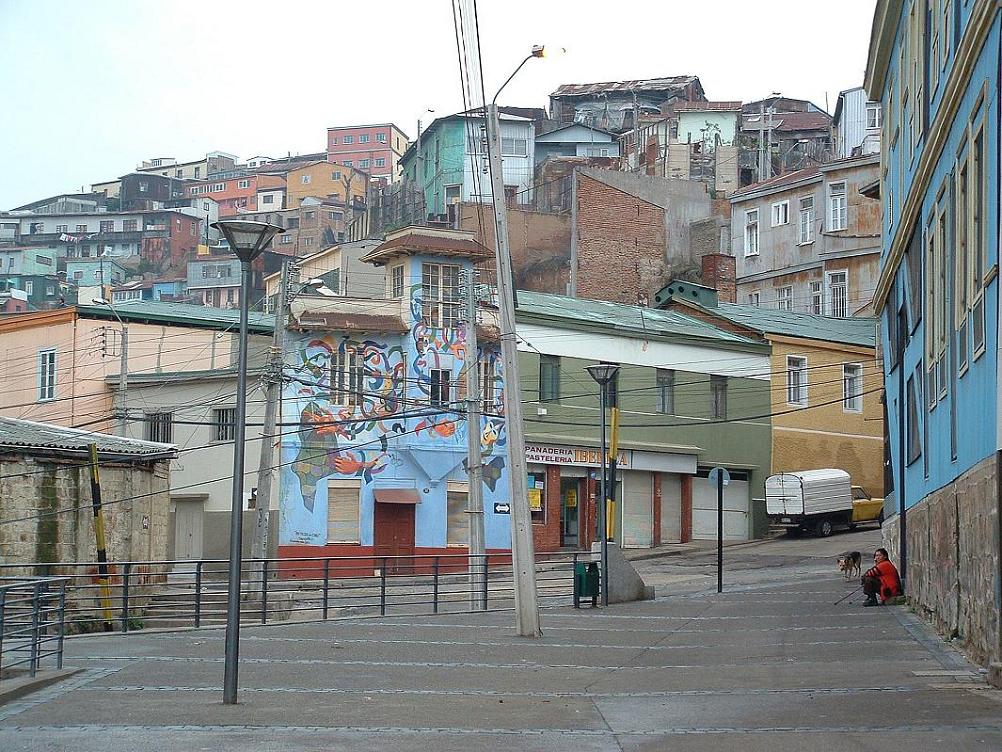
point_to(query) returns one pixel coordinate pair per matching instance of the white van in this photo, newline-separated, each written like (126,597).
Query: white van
(814,500)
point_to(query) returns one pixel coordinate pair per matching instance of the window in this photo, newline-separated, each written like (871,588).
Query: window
(380,162)
(914,438)
(159,427)
(46,374)
(784,298)
(98,275)
(179,173)
(381,138)
(837,218)
(333,140)
(751,232)
(224,421)
(549,378)
(363,164)
(817,302)
(348,140)
(346,377)
(268,198)
(718,397)
(796,380)
(754,297)
(50,290)
(873,115)
(198,172)
(838,294)
(852,387)
(781,213)
(348,163)
(29,287)
(217,187)
(305,179)
(285,239)
(536,483)
(457,520)
(62,228)
(308,240)
(666,391)
(107,225)
(342,511)
(397,281)
(81,228)
(441,387)
(77,275)
(514,147)
(487,385)
(336,175)
(243,184)
(978,241)
(805,223)
(440,295)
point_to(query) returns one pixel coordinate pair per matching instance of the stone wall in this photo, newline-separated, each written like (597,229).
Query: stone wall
(953,560)
(55,499)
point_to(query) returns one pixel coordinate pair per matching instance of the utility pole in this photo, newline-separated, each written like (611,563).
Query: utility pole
(102,554)
(123,382)
(768,147)
(761,141)
(636,130)
(522,555)
(474,462)
(273,392)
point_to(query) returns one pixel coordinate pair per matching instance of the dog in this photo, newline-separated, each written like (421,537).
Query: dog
(848,563)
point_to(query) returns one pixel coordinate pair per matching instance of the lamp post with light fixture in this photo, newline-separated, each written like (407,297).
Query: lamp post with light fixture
(603,374)
(247,240)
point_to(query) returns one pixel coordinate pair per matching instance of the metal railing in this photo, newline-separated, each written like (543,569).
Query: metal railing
(193,593)
(31,623)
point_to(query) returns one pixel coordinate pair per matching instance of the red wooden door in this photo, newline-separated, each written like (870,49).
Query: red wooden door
(394,534)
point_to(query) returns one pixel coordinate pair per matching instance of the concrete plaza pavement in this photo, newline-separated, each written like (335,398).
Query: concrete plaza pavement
(771,664)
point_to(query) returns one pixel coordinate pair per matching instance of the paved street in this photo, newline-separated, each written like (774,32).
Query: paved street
(771,665)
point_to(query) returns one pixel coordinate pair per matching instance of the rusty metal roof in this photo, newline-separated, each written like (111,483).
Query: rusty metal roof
(626,87)
(707,106)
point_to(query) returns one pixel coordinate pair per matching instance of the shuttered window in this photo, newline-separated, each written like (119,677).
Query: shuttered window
(458,522)
(342,511)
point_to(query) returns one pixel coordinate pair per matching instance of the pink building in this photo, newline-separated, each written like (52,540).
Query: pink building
(375,149)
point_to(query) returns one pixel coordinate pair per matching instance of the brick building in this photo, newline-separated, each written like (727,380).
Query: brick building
(375,149)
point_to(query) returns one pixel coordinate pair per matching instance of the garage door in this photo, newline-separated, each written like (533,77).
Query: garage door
(671,508)
(638,518)
(704,509)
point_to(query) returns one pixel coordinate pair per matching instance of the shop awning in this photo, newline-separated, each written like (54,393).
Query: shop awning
(397,496)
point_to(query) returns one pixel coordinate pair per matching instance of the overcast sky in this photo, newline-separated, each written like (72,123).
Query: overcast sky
(92,88)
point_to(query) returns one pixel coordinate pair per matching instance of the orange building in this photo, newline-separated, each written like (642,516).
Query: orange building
(325,180)
(235,194)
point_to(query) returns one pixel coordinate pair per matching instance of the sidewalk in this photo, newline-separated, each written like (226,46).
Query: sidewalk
(692,547)
(778,668)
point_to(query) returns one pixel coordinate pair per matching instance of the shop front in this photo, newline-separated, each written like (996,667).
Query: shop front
(653,496)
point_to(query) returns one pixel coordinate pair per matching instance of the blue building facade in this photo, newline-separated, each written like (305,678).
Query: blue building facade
(934,66)
(375,441)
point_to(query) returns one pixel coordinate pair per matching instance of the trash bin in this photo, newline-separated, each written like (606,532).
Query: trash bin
(586,582)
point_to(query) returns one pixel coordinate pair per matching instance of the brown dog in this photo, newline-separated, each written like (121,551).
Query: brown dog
(848,563)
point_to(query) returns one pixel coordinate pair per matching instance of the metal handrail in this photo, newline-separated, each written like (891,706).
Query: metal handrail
(32,616)
(192,592)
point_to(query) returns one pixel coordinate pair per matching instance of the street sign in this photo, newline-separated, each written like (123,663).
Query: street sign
(502,507)
(717,471)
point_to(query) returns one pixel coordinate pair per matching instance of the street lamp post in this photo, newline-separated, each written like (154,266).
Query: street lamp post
(247,240)
(603,373)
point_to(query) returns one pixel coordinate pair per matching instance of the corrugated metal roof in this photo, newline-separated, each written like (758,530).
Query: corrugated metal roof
(627,318)
(181,314)
(707,106)
(851,331)
(647,84)
(27,435)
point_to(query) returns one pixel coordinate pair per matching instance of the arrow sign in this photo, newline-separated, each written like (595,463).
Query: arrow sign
(502,507)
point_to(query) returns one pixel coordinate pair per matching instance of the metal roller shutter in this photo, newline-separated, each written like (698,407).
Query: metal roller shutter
(638,518)
(704,510)
(671,508)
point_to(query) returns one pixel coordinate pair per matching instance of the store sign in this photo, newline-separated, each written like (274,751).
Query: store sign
(562,455)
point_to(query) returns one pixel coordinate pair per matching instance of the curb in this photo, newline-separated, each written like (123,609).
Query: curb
(13,689)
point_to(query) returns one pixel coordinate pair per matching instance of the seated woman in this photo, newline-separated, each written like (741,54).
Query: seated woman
(882,579)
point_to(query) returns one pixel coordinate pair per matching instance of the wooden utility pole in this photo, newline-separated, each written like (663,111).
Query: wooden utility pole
(102,554)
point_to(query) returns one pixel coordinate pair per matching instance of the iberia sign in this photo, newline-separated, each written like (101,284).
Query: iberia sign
(564,455)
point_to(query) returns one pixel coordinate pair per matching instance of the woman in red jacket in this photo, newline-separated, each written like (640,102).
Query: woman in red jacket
(881,580)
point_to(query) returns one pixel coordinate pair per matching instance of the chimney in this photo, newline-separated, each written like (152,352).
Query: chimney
(720,273)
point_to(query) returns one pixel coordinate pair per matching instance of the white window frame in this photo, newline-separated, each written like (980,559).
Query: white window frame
(397,281)
(751,233)
(347,378)
(305,179)
(780,213)
(834,304)
(784,298)
(348,139)
(838,212)
(817,303)
(852,399)
(363,138)
(796,388)
(243,184)
(46,375)
(805,221)
(874,109)
(441,303)
(381,138)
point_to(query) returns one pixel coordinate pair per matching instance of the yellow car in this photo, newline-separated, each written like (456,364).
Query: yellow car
(865,508)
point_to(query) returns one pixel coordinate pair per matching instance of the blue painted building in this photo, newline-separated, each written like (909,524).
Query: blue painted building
(374,445)
(934,67)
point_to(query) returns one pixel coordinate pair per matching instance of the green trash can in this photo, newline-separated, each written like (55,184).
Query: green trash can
(586,582)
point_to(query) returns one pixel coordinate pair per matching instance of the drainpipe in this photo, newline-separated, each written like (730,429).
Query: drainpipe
(902,452)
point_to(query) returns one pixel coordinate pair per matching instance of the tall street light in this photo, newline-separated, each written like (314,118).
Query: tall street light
(247,240)
(603,374)
(522,556)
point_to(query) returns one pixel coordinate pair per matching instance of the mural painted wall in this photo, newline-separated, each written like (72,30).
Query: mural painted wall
(359,406)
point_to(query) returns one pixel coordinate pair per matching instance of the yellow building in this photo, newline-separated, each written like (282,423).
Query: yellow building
(324,180)
(826,383)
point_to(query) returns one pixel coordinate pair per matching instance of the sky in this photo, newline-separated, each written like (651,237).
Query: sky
(93,88)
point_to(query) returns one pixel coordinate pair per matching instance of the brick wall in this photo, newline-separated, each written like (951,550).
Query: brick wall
(620,245)
(719,273)
(953,563)
(57,500)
